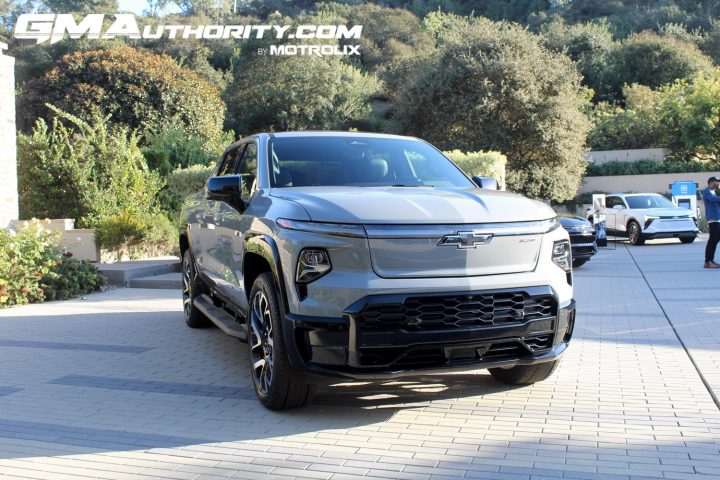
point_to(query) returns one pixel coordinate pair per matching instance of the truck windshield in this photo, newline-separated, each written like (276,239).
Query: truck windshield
(649,201)
(360,161)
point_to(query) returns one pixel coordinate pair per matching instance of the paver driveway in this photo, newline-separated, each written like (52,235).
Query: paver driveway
(116,386)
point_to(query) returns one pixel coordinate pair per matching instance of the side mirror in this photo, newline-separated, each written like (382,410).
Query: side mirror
(225,189)
(486,183)
(618,207)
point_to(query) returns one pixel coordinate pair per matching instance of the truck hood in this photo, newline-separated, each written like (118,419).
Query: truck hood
(413,205)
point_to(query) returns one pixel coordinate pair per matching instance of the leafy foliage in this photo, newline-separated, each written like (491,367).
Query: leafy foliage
(33,268)
(646,167)
(299,93)
(639,125)
(492,86)
(71,278)
(590,46)
(482,164)
(684,117)
(649,59)
(180,184)
(25,257)
(132,235)
(139,90)
(81,170)
(180,150)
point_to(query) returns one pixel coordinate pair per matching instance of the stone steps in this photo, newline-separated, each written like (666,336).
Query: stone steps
(122,273)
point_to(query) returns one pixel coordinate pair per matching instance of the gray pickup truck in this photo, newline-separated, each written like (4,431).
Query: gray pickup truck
(371,257)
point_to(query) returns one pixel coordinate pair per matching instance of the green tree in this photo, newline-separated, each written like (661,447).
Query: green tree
(492,86)
(590,46)
(78,6)
(641,124)
(298,93)
(692,116)
(388,35)
(83,170)
(139,90)
(649,59)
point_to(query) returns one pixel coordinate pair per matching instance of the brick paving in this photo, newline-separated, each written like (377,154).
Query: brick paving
(116,387)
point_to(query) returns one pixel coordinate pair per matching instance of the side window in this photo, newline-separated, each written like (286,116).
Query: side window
(248,168)
(229,163)
(610,202)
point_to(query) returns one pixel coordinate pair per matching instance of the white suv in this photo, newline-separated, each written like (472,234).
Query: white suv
(647,216)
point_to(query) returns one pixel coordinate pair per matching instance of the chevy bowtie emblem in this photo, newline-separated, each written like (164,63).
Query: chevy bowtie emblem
(465,240)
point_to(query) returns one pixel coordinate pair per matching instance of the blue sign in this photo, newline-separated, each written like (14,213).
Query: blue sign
(684,188)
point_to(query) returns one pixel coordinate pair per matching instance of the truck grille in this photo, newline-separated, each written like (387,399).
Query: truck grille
(421,313)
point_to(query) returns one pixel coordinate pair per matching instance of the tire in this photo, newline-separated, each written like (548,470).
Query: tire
(579,262)
(525,374)
(634,233)
(687,239)
(278,386)
(192,287)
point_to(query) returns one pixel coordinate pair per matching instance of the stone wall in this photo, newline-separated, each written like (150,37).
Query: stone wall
(655,183)
(599,157)
(8,149)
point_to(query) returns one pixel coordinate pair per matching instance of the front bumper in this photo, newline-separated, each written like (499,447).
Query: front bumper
(397,344)
(583,245)
(670,228)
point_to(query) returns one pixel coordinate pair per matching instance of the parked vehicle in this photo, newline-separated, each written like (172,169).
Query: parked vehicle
(367,256)
(647,216)
(583,240)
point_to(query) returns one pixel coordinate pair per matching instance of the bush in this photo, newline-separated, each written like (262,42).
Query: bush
(71,278)
(647,167)
(649,59)
(180,184)
(169,147)
(25,257)
(482,164)
(298,93)
(492,86)
(138,89)
(134,235)
(33,268)
(82,170)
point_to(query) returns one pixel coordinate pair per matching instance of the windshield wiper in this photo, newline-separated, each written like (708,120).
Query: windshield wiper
(405,185)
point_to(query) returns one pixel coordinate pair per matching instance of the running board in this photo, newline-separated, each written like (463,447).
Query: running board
(221,318)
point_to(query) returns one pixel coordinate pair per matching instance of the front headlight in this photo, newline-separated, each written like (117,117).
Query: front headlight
(649,219)
(312,264)
(561,255)
(338,229)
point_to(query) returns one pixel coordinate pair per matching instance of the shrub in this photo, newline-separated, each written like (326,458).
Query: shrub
(139,90)
(82,170)
(25,257)
(180,184)
(33,268)
(71,278)
(298,93)
(649,59)
(492,86)
(483,164)
(170,147)
(647,167)
(133,235)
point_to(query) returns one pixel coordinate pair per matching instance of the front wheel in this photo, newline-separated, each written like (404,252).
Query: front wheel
(579,262)
(277,385)
(634,233)
(192,287)
(525,374)
(687,239)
